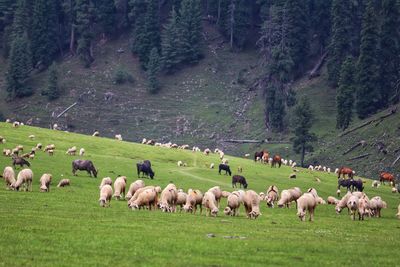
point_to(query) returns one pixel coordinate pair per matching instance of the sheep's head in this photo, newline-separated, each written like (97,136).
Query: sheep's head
(227,211)
(338,209)
(302,215)
(102,202)
(254,214)
(188,208)
(134,206)
(214,212)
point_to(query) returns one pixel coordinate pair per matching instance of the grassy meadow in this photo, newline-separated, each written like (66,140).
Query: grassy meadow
(67,227)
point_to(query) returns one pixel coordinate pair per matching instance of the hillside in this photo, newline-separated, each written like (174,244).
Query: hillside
(67,226)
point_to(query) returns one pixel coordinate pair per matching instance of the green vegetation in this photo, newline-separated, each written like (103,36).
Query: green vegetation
(46,229)
(121,75)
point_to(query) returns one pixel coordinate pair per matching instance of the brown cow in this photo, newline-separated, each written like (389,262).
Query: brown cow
(344,171)
(276,160)
(386,176)
(265,157)
(259,155)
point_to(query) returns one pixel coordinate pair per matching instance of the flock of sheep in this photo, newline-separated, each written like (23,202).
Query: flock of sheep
(140,196)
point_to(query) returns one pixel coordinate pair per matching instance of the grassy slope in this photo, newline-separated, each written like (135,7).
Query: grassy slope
(66,227)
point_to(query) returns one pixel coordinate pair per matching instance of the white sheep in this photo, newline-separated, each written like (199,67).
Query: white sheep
(225,194)
(272,195)
(39,146)
(24,177)
(311,167)
(210,204)
(181,200)
(104,181)
(9,176)
(144,141)
(398,212)
(336,170)
(246,155)
(221,155)
(119,187)
(289,195)
(31,136)
(363,208)
(307,202)
(71,151)
(49,147)
(328,170)
(212,166)
(225,161)
(342,203)
(16,124)
(233,204)
(180,163)
(352,205)
(251,203)
(376,205)
(118,137)
(96,133)
(293,165)
(64,182)
(135,196)
(45,181)
(394,190)
(194,199)
(7,152)
(145,198)
(168,198)
(106,193)
(207,151)
(216,190)
(332,200)
(81,151)
(133,188)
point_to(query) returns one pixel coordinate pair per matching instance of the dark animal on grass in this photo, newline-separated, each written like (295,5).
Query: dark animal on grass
(259,155)
(356,185)
(84,165)
(225,168)
(276,160)
(20,161)
(344,183)
(345,171)
(239,179)
(386,177)
(145,169)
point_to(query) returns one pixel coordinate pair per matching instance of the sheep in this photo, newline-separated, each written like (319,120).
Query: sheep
(287,196)
(246,155)
(181,200)
(207,151)
(49,147)
(338,192)
(194,199)
(24,177)
(104,181)
(15,151)
(294,164)
(352,205)
(45,181)
(147,197)
(133,188)
(225,161)
(212,166)
(307,202)
(50,152)
(106,193)
(332,200)
(398,212)
(15,124)
(180,163)
(81,151)
(394,190)
(8,120)
(9,176)
(119,187)
(328,170)
(320,201)
(240,169)
(336,170)
(376,204)
(7,152)
(262,195)
(216,190)
(221,155)
(363,208)
(20,148)
(144,141)
(251,203)
(39,146)
(64,182)
(2,140)
(96,133)
(225,194)
(233,204)
(135,196)
(71,151)
(31,136)
(272,195)
(210,203)
(55,126)
(118,137)
(311,167)
(168,198)
(375,184)
(342,203)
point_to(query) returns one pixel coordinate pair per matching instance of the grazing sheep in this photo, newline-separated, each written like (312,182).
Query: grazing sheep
(338,192)
(225,161)
(45,181)
(39,146)
(7,152)
(50,152)
(251,203)
(118,137)
(216,190)
(194,199)
(320,201)
(133,188)
(180,163)
(135,196)
(272,195)
(247,155)
(96,133)
(233,204)
(376,184)
(71,151)
(262,195)
(342,203)
(9,176)
(212,166)
(81,151)
(398,212)
(287,196)
(16,124)
(2,140)
(307,202)
(20,148)
(225,194)
(64,182)
(221,155)
(24,177)
(363,208)
(352,205)
(394,190)
(106,193)
(168,198)
(376,205)
(145,198)
(104,181)
(31,137)
(210,204)
(49,147)
(119,187)
(332,200)
(207,151)
(181,200)
(311,167)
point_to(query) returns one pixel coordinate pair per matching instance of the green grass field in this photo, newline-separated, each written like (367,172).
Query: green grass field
(67,227)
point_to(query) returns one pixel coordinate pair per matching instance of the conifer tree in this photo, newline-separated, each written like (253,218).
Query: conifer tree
(345,95)
(368,93)
(171,43)
(106,12)
(84,20)
(153,68)
(52,91)
(191,29)
(138,39)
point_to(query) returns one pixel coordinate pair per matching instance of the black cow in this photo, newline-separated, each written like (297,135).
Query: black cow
(344,183)
(239,179)
(357,185)
(84,165)
(145,169)
(20,161)
(225,168)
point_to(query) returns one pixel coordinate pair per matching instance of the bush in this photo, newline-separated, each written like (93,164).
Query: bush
(122,76)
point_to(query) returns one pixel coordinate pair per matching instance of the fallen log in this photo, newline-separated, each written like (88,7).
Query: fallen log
(361,143)
(396,160)
(256,141)
(315,71)
(360,157)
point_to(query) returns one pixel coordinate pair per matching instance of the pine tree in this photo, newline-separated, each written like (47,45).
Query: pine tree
(21,21)
(302,122)
(171,44)
(138,40)
(340,47)
(52,91)
(278,112)
(19,67)
(152,26)
(389,52)
(44,32)
(368,93)
(153,68)
(345,95)
(106,16)
(7,9)
(320,16)
(191,30)
(238,22)
(84,27)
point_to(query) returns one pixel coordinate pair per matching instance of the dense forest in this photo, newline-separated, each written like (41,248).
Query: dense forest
(359,40)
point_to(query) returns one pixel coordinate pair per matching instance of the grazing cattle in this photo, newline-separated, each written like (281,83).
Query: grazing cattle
(344,183)
(265,157)
(345,171)
(20,161)
(239,179)
(276,160)
(145,169)
(258,155)
(84,165)
(386,177)
(356,185)
(225,168)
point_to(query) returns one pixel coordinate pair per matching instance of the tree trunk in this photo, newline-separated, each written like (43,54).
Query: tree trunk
(232,22)
(303,152)
(219,11)
(72,40)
